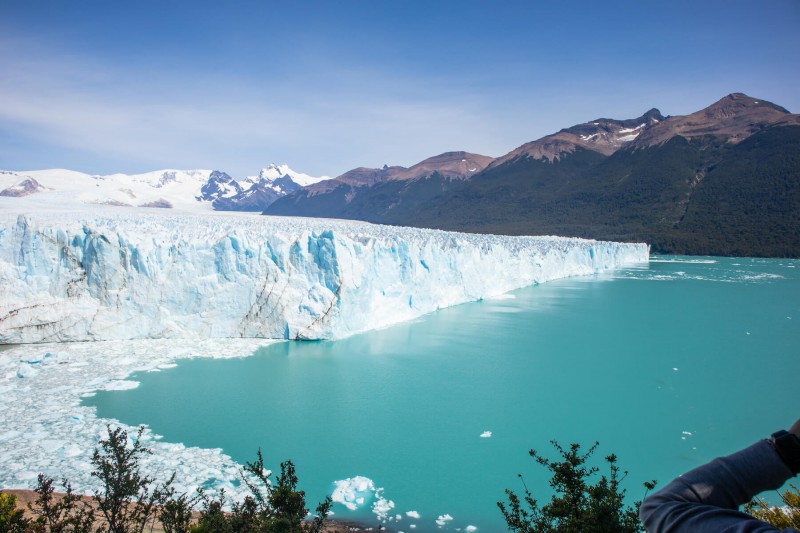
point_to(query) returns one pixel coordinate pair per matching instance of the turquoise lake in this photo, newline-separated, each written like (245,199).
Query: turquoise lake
(667,365)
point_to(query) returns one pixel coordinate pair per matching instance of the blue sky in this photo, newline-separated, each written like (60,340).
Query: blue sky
(104,87)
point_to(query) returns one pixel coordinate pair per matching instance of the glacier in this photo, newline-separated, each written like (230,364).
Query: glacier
(69,276)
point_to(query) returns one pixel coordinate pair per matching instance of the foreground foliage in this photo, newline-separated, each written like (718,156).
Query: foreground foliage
(784,517)
(577,505)
(131,502)
(11,518)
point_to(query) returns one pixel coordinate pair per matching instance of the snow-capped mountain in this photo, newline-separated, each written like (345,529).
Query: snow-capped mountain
(274,172)
(603,135)
(187,190)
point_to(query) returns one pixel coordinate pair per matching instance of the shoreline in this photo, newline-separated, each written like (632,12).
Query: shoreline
(26,496)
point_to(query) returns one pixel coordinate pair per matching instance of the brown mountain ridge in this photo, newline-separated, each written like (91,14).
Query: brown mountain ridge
(724,180)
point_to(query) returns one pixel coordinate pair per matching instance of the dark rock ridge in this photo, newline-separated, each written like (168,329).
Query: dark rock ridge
(219,185)
(25,187)
(724,180)
(227,194)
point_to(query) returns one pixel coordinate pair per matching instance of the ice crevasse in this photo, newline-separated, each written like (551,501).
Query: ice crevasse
(108,276)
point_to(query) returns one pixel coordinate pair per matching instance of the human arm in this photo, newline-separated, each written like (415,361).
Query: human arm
(795,429)
(707,498)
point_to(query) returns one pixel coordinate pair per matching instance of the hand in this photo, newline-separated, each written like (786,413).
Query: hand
(795,429)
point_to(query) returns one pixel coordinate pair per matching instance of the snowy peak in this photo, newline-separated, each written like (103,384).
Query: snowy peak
(161,178)
(218,185)
(274,172)
(602,135)
(606,135)
(190,190)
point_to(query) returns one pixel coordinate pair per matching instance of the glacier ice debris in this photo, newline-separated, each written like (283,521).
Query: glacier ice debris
(44,427)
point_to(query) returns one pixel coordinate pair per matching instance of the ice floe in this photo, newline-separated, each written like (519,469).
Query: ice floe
(46,429)
(443,519)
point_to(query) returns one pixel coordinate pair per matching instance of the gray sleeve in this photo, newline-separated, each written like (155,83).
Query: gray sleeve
(707,498)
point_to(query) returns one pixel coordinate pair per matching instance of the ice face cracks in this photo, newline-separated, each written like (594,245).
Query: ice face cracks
(71,276)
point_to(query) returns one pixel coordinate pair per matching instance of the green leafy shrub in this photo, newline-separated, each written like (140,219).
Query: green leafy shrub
(12,520)
(126,500)
(577,505)
(273,508)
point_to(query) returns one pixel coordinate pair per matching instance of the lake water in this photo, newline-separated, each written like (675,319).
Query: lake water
(667,365)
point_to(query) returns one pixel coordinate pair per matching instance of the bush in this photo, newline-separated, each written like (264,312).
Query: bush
(129,501)
(57,515)
(577,506)
(781,517)
(126,499)
(278,508)
(11,518)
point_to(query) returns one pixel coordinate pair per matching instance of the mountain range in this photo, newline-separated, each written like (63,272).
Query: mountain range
(189,190)
(724,180)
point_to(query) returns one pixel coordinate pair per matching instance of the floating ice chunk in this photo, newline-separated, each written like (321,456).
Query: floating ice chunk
(687,433)
(350,492)
(51,445)
(674,368)
(72,450)
(470,529)
(9,435)
(27,475)
(382,507)
(26,371)
(486,434)
(412,514)
(121,384)
(398,517)
(443,519)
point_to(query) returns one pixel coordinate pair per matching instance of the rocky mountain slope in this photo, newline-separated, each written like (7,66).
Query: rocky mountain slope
(723,181)
(382,194)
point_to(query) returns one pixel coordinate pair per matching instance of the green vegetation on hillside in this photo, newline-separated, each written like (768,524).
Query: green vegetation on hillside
(702,196)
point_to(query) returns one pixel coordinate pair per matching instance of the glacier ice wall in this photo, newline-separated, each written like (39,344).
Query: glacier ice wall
(82,277)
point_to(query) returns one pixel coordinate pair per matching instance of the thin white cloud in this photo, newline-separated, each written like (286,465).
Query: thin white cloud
(320,118)
(157,119)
